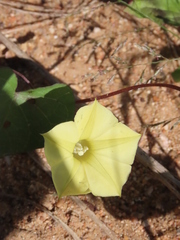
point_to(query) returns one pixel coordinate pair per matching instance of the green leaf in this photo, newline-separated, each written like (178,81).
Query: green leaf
(159,11)
(176,75)
(25,115)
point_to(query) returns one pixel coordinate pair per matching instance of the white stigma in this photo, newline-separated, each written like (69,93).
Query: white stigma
(79,149)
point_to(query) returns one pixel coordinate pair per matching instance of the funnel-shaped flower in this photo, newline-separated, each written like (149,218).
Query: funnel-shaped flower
(92,154)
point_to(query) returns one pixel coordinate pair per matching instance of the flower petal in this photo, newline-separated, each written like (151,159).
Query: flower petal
(118,143)
(124,152)
(105,176)
(70,181)
(64,135)
(118,130)
(67,173)
(55,154)
(105,165)
(93,120)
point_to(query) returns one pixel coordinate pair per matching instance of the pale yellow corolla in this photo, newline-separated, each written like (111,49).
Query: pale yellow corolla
(92,154)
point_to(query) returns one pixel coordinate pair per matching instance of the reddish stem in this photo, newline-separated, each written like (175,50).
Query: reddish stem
(127,89)
(22,76)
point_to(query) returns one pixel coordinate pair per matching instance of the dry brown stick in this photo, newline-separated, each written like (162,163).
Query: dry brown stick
(45,166)
(90,214)
(50,14)
(22,5)
(57,219)
(14,48)
(159,171)
(44,209)
(27,27)
(24,11)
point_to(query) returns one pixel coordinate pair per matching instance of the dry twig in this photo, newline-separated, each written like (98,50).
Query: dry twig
(28,27)
(45,166)
(57,219)
(44,209)
(49,12)
(160,172)
(14,48)
(90,214)
(22,5)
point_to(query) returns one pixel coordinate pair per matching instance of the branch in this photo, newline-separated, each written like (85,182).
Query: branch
(14,48)
(90,214)
(44,209)
(57,219)
(50,12)
(27,26)
(160,172)
(45,166)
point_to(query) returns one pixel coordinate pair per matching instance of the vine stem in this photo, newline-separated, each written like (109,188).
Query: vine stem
(22,76)
(127,89)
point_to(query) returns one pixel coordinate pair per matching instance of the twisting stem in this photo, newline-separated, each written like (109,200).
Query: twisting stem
(127,89)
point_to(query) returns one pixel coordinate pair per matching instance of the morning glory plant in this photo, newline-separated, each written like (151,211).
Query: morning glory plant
(92,154)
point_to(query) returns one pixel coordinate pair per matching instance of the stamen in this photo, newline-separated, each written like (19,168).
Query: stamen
(80,149)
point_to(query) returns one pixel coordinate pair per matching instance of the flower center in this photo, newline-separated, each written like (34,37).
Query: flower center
(80,149)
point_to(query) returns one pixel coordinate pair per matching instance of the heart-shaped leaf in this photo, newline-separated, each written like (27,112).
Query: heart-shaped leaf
(25,115)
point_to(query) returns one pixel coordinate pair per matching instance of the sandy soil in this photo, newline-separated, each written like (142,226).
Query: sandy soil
(96,48)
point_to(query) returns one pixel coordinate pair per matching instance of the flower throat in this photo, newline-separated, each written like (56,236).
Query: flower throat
(80,149)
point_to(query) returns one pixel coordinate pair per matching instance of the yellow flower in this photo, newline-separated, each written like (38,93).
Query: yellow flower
(92,154)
